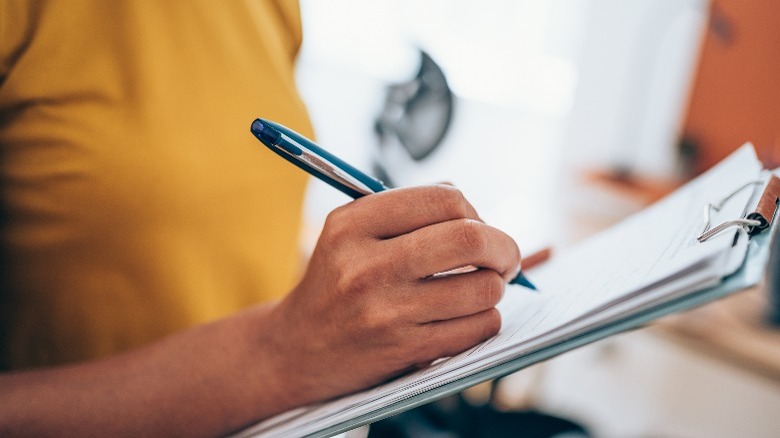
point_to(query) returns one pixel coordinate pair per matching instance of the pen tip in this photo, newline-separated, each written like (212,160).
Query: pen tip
(522,281)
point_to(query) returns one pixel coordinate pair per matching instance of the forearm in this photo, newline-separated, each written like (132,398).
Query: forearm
(203,382)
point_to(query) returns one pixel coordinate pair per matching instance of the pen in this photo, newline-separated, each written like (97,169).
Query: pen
(315,160)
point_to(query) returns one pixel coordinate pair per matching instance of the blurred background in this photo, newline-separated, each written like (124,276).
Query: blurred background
(558,118)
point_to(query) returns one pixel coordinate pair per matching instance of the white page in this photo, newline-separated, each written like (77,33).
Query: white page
(648,248)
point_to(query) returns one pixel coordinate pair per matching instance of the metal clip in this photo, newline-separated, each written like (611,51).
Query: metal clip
(745,223)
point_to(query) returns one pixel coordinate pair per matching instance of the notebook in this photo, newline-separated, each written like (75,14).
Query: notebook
(654,263)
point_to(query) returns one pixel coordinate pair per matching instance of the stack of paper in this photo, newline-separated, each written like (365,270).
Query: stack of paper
(645,261)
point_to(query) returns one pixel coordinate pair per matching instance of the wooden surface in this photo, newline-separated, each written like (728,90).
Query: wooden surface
(733,329)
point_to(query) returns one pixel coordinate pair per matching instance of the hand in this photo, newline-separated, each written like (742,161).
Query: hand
(366,309)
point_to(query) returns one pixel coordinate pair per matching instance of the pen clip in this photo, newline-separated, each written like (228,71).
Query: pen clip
(325,167)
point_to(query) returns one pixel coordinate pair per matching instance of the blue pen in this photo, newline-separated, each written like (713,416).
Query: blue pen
(315,160)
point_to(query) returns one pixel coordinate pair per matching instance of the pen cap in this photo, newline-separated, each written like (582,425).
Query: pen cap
(267,136)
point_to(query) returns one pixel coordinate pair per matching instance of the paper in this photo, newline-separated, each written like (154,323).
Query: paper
(651,257)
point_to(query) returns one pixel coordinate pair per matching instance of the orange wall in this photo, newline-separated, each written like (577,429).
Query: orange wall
(736,92)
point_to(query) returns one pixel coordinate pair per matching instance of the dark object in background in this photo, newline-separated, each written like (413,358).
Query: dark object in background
(773,280)
(416,113)
(443,420)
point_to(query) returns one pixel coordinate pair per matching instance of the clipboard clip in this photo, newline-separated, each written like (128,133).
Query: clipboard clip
(753,222)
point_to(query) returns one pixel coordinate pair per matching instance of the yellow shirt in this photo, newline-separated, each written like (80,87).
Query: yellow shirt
(135,202)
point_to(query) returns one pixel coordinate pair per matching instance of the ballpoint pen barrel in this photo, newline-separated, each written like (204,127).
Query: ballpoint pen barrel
(277,136)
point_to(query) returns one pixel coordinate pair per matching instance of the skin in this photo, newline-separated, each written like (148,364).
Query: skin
(366,299)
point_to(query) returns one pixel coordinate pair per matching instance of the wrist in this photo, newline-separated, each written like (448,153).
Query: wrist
(276,385)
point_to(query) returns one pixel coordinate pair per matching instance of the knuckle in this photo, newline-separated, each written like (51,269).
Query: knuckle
(364,318)
(492,290)
(359,274)
(344,282)
(472,237)
(336,216)
(453,201)
(373,321)
(350,281)
(492,322)
(336,224)
(380,320)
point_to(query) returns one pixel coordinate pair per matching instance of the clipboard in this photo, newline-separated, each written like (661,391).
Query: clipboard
(750,274)
(736,260)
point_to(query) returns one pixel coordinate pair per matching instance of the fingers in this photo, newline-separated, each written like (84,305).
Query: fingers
(400,211)
(454,296)
(454,244)
(448,338)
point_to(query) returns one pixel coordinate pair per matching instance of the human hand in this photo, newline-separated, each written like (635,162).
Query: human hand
(367,309)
